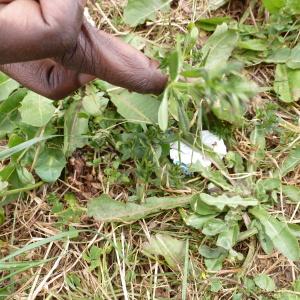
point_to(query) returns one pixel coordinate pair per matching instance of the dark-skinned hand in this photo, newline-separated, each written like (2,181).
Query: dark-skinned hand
(49,47)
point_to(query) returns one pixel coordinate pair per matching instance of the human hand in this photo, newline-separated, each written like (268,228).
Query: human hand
(53,54)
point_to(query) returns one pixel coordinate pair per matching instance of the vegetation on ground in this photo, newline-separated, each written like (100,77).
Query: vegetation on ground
(92,206)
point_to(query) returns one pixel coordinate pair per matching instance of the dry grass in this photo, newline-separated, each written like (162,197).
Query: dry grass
(123,271)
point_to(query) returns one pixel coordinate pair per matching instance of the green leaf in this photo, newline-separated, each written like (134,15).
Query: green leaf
(25,177)
(279,56)
(50,164)
(36,110)
(228,238)
(214,227)
(274,6)
(279,233)
(174,61)
(292,192)
(163,112)
(264,239)
(171,249)
(295,229)
(254,45)
(94,104)
(212,253)
(9,115)
(7,86)
(197,221)
(211,23)
(76,127)
(11,151)
(136,108)
(105,209)
(265,282)
(287,83)
(291,162)
(219,47)
(138,11)
(205,204)
(293,61)
(215,264)
(223,110)
(215,285)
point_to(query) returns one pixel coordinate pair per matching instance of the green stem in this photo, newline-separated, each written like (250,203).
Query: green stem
(18,191)
(247,234)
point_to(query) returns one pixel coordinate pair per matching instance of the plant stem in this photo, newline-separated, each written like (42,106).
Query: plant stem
(18,191)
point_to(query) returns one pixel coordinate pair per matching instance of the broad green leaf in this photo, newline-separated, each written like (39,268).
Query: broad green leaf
(163,112)
(263,238)
(292,192)
(279,233)
(215,264)
(293,61)
(286,83)
(214,227)
(228,238)
(269,184)
(7,86)
(105,209)
(215,4)
(136,108)
(76,127)
(205,204)
(215,285)
(211,23)
(208,252)
(279,56)
(36,110)
(274,6)
(254,45)
(50,164)
(11,151)
(291,162)
(223,110)
(9,115)
(171,249)
(138,11)
(25,177)
(265,282)
(219,47)
(197,221)
(295,229)
(95,104)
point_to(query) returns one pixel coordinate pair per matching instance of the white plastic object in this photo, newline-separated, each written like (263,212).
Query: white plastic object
(183,155)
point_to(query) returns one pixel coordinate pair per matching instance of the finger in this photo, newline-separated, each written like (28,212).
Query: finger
(112,60)
(31,30)
(46,77)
